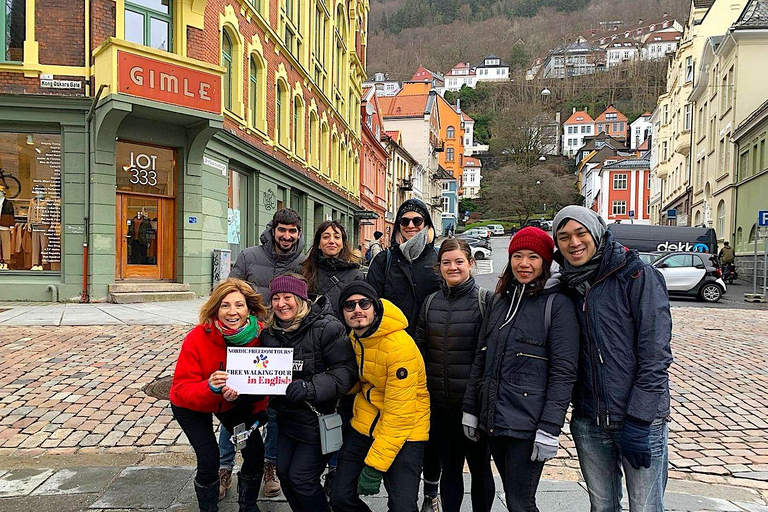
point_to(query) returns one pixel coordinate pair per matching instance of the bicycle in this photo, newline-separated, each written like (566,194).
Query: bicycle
(12,189)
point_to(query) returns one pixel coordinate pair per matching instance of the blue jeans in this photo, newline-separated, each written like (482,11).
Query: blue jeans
(227,449)
(602,466)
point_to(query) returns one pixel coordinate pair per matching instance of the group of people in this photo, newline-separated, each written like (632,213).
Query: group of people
(428,370)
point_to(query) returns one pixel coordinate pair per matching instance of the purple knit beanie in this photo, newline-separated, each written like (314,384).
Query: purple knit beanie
(288,284)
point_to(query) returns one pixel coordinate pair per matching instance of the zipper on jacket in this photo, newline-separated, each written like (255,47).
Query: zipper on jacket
(373,423)
(600,356)
(445,348)
(362,354)
(533,356)
(591,349)
(368,394)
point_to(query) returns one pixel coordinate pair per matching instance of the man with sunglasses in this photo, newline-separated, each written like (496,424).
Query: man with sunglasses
(390,423)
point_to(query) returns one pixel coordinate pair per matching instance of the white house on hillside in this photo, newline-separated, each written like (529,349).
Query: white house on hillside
(383,85)
(640,130)
(575,128)
(461,74)
(492,69)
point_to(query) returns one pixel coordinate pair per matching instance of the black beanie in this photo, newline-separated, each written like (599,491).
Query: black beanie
(377,235)
(363,289)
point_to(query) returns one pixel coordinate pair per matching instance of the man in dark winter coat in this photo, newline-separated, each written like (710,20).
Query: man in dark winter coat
(621,399)
(404,274)
(280,252)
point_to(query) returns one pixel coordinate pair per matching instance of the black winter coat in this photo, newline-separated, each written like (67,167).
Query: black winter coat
(447,337)
(407,284)
(332,276)
(523,376)
(626,329)
(260,264)
(323,352)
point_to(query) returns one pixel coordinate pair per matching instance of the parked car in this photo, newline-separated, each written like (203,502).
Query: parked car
(546,225)
(496,229)
(650,257)
(692,274)
(483,232)
(481,248)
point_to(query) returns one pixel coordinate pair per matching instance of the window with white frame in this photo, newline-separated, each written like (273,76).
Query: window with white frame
(619,208)
(619,182)
(688,69)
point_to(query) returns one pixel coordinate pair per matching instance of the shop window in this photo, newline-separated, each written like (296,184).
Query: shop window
(149,23)
(226,61)
(30,201)
(13,30)
(236,212)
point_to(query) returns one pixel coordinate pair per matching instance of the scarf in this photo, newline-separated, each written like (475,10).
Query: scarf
(413,248)
(240,336)
(581,278)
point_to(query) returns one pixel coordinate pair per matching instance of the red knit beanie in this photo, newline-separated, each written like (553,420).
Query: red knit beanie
(288,284)
(533,239)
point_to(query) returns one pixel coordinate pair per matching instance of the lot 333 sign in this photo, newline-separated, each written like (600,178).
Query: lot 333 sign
(142,169)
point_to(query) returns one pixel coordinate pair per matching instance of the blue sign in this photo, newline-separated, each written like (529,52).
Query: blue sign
(700,248)
(762,218)
(631,214)
(671,214)
(192,220)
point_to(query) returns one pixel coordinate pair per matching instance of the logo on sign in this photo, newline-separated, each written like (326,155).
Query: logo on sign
(682,246)
(762,218)
(142,169)
(261,362)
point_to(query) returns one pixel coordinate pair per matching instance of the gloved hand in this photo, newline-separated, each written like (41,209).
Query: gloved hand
(469,422)
(369,482)
(300,390)
(634,444)
(544,447)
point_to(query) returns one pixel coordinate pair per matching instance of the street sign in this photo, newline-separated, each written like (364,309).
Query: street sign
(762,218)
(671,214)
(631,214)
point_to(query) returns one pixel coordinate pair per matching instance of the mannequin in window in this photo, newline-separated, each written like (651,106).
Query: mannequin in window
(7,221)
(38,218)
(138,238)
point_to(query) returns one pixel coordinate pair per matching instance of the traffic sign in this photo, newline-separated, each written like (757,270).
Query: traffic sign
(672,214)
(631,214)
(762,218)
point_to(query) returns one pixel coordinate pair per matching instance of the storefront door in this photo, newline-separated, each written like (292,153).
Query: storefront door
(145,210)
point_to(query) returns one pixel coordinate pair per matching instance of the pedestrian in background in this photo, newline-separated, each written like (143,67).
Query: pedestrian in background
(621,400)
(280,252)
(525,369)
(403,274)
(324,371)
(330,265)
(447,335)
(390,425)
(199,391)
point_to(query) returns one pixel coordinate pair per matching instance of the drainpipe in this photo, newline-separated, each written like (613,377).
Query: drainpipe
(86,220)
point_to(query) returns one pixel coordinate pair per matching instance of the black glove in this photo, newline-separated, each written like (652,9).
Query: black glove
(634,444)
(300,390)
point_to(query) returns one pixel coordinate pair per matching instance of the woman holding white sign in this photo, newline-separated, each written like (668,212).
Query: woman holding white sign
(199,391)
(324,370)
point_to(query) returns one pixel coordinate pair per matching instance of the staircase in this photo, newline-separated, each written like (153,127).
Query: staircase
(135,292)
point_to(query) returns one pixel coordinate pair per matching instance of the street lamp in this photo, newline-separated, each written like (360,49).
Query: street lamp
(545,94)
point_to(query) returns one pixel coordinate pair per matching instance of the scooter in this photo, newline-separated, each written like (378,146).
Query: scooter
(729,273)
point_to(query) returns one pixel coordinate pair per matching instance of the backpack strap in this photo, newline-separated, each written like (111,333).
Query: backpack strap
(482,300)
(427,303)
(548,312)
(389,263)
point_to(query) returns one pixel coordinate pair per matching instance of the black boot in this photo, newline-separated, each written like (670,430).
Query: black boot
(248,492)
(207,496)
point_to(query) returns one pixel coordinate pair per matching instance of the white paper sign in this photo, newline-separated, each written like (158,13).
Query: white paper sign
(259,370)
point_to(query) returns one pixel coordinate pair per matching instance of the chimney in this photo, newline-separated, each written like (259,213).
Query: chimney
(640,22)
(458,105)
(666,14)
(574,110)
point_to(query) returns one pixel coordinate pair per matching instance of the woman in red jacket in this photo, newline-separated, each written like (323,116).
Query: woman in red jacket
(200,390)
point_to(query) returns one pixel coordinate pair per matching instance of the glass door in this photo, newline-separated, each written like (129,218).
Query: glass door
(142,224)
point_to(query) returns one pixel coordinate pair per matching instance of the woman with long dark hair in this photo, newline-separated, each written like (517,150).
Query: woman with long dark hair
(330,265)
(199,391)
(525,369)
(447,335)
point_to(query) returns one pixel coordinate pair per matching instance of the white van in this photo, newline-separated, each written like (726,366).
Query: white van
(496,229)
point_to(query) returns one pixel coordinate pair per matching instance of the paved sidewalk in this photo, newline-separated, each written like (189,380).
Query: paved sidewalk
(159,488)
(100,313)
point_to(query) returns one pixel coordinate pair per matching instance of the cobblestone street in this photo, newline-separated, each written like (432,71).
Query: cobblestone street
(78,391)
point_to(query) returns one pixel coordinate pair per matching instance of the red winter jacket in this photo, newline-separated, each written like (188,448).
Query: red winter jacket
(203,352)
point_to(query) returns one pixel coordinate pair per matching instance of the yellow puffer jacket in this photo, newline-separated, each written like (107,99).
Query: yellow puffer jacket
(393,404)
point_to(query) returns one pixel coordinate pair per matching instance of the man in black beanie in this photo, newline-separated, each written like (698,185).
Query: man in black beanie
(390,423)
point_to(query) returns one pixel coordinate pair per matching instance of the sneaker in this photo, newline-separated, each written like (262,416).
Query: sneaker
(430,504)
(328,484)
(225,482)
(271,482)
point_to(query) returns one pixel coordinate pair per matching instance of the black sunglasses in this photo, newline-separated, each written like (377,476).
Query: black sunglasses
(417,221)
(349,305)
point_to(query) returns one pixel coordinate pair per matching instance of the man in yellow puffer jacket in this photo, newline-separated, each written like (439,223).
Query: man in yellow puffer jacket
(390,425)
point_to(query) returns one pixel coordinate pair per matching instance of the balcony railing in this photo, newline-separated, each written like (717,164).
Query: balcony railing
(406,184)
